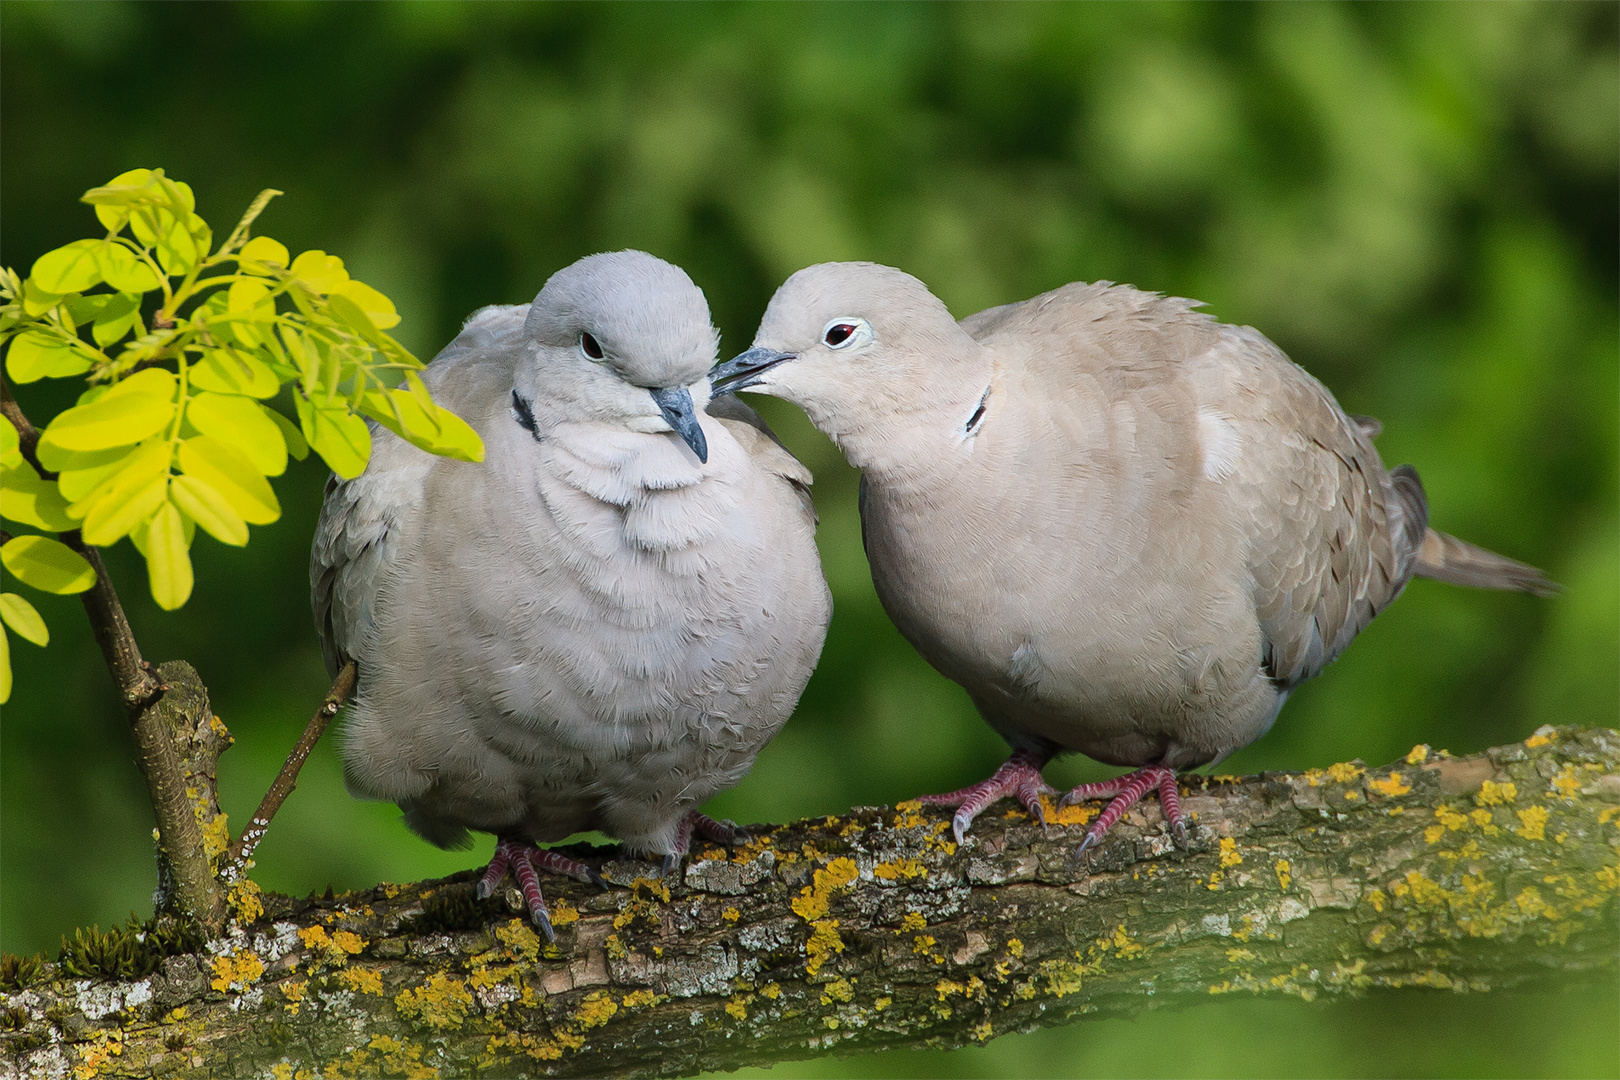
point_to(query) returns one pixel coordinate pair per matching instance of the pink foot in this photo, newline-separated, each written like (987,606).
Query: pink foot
(1124,791)
(1019,775)
(728,833)
(525,861)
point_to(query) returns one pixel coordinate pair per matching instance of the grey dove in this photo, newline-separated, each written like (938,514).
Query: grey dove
(1123,527)
(601,624)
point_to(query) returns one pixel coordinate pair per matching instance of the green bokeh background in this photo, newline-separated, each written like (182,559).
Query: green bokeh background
(1418,202)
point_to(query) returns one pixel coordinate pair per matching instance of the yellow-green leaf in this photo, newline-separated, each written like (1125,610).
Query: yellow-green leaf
(297,446)
(118,482)
(70,268)
(5,667)
(110,421)
(159,382)
(124,508)
(230,371)
(249,302)
(319,271)
(208,508)
(457,439)
(262,255)
(37,301)
(243,423)
(22,617)
(81,470)
(124,270)
(399,412)
(35,355)
(26,497)
(112,200)
(377,307)
(341,438)
(118,314)
(10,445)
(168,560)
(349,313)
(227,470)
(178,251)
(48,565)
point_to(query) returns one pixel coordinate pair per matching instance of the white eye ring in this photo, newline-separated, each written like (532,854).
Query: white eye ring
(846,330)
(591,348)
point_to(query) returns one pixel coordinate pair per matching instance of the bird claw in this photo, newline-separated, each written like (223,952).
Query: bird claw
(1086,845)
(483,890)
(595,877)
(671,863)
(542,919)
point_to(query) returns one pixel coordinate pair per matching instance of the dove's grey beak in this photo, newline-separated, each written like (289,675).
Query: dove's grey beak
(675,403)
(744,369)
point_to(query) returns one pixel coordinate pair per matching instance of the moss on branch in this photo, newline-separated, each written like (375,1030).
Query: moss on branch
(874,930)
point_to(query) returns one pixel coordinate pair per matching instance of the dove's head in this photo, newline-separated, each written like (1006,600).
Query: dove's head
(622,337)
(865,350)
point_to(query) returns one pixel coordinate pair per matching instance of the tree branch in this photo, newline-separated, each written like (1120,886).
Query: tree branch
(287,779)
(873,930)
(187,883)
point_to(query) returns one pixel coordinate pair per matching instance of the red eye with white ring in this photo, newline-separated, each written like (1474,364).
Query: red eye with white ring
(844,331)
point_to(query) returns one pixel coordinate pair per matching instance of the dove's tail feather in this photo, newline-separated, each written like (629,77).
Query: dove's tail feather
(1443,557)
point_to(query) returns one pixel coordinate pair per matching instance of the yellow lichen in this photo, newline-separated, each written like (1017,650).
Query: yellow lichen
(1120,943)
(243,899)
(390,890)
(96,1055)
(894,871)
(1493,794)
(361,981)
(830,1023)
(563,913)
(824,943)
(1419,754)
(1229,852)
(352,944)
(731,914)
(641,999)
(1285,875)
(813,900)
(1391,786)
(837,990)
(1566,785)
(1378,933)
(235,972)
(882,1003)
(908,814)
(216,835)
(1608,814)
(1074,814)
(1377,898)
(522,943)
(1015,947)
(293,991)
(440,1003)
(913,921)
(770,990)
(923,943)
(1540,738)
(1344,772)
(982,1031)
(1239,956)
(1532,823)
(597,1009)
(737,1007)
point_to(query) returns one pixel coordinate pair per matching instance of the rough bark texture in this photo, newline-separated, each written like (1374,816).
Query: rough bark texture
(873,930)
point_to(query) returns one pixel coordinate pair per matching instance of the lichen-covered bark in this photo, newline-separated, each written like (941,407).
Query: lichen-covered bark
(874,930)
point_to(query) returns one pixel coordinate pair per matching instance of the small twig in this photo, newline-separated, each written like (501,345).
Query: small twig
(27,434)
(242,850)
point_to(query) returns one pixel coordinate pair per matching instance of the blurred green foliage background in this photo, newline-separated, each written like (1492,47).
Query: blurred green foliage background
(1418,202)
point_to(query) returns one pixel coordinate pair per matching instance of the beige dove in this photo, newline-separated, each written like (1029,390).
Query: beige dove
(1123,527)
(601,624)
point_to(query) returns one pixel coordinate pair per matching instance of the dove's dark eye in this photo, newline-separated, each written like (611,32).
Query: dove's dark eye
(592,348)
(838,333)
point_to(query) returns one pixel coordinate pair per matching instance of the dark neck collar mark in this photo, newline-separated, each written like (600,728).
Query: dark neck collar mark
(523,413)
(978,415)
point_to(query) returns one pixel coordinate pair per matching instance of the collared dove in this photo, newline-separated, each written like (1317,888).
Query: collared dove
(1123,527)
(600,625)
